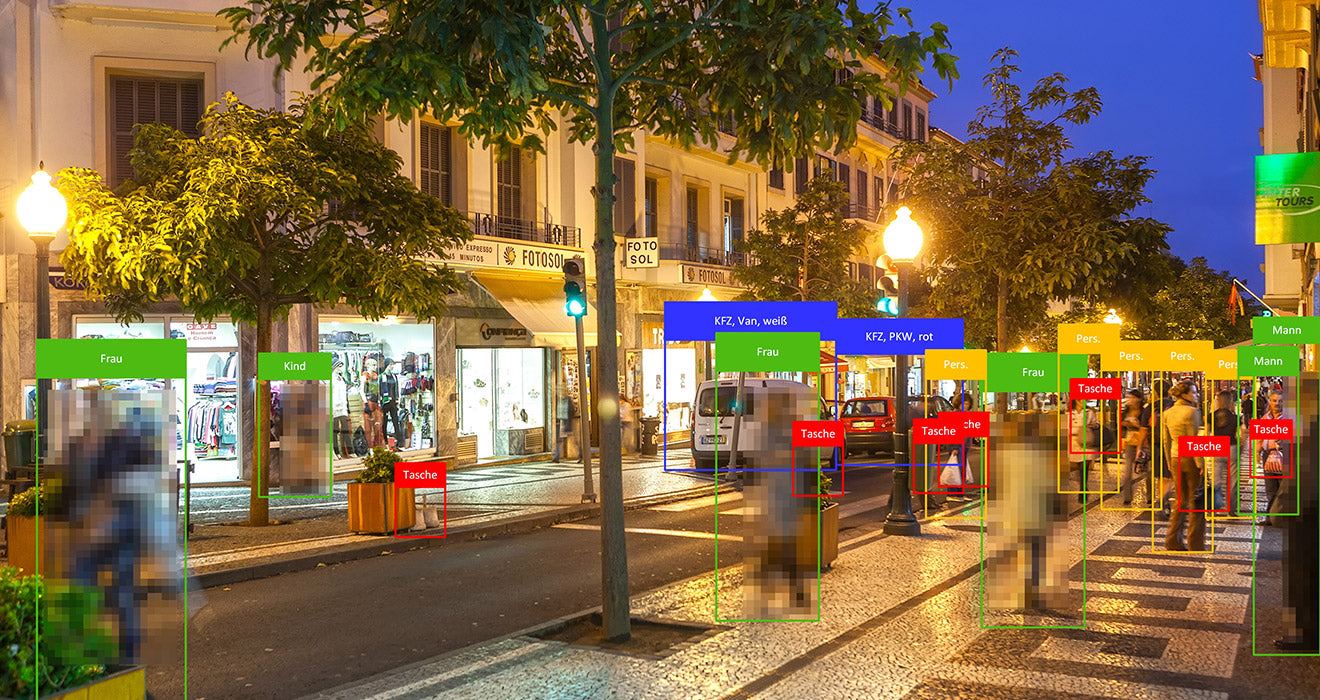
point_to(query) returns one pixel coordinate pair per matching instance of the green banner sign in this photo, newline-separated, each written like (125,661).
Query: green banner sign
(1288,198)
(285,366)
(1269,361)
(1022,371)
(767,352)
(1285,330)
(96,358)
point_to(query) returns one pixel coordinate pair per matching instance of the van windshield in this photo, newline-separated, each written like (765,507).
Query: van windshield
(706,402)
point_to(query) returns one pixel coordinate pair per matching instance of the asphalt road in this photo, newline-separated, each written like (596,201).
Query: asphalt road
(291,635)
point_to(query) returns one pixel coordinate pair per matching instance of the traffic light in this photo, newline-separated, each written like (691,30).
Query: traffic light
(888,286)
(575,287)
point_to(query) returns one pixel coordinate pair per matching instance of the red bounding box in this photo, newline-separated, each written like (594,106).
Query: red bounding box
(934,431)
(1270,429)
(426,475)
(969,424)
(817,433)
(1203,446)
(1102,388)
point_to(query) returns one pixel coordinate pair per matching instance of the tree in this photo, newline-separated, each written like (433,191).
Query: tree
(776,72)
(1014,220)
(802,253)
(264,210)
(1194,306)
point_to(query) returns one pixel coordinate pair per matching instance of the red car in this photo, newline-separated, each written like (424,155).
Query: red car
(868,422)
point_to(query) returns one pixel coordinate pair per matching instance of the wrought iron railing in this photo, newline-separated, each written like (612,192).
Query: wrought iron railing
(707,256)
(865,212)
(484,224)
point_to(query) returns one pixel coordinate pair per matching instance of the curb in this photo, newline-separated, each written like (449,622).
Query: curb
(390,545)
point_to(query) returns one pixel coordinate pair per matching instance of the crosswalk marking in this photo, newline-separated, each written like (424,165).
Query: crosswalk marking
(696,535)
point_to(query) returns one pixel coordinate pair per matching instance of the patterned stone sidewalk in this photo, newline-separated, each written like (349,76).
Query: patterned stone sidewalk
(902,618)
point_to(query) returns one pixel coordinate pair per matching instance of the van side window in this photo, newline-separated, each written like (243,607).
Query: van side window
(706,403)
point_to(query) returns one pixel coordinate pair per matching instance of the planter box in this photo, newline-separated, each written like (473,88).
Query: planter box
(123,683)
(828,543)
(21,543)
(371,508)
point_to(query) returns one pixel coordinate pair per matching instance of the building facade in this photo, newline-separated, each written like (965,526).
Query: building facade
(497,375)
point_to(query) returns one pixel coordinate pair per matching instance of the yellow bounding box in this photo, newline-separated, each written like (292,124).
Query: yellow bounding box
(1158,356)
(955,364)
(1222,364)
(1087,338)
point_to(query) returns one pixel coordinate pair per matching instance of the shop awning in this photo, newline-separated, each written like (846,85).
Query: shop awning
(538,305)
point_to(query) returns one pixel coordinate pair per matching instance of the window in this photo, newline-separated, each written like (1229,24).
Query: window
(824,167)
(801,175)
(733,223)
(725,395)
(652,193)
(625,197)
(508,184)
(907,119)
(893,119)
(845,177)
(893,190)
(777,178)
(879,190)
(921,126)
(862,181)
(866,407)
(435,162)
(693,213)
(176,102)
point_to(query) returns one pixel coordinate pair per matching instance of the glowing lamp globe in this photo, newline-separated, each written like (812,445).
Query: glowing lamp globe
(41,208)
(903,236)
(706,295)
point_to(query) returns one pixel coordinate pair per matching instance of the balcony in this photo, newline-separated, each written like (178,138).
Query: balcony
(876,120)
(706,256)
(864,212)
(522,230)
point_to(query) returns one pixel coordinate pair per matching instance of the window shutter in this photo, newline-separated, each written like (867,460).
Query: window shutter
(433,160)
(692,200)
(652,192)
(845,176)
(625,198)
(133,100)
(736,221)
(508,175)
(921,126)
(862,181)
(801,176)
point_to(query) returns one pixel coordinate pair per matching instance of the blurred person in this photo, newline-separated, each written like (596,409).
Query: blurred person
(1301,538)
(1081,425)
(1182,419)
(1136,437)
(1225,424)
(1275,456)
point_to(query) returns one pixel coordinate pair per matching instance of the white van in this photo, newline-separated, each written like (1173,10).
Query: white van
(712,427)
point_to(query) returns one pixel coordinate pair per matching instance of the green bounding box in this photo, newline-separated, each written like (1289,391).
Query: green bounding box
(287,366)
(1072,367)
(96,358)
(767,352)
(1269,361)
(1291,330)
(1288,198)
(1022,371)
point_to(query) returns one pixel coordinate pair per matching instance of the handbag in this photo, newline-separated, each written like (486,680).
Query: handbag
(1274,463)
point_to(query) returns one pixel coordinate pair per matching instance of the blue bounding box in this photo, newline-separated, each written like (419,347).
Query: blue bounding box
(895,336)
(699,320)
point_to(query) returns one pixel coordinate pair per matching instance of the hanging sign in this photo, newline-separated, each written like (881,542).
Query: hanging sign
(1288,198)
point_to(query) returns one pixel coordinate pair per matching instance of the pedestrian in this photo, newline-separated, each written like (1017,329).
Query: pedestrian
(1136,435)
(1275,456)
(1182,420)
(1078,430)
(1248,407)
(1301,540)
(1225,425)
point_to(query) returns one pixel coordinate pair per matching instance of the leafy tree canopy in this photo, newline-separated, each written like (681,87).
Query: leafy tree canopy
(802,253)
(1194,306)
(257,214)
(1012,218)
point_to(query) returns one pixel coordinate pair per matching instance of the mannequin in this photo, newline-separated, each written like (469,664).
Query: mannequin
(373,415)
(389,402)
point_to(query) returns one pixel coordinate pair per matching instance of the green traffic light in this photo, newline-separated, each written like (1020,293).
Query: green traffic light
(575,307)
(887,305)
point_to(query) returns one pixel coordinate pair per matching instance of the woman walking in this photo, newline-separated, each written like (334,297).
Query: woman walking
(1225,425)
(1136,434)
(1182,420)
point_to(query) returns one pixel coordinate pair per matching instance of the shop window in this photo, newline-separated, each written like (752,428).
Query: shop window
(382,385)
(134,100)
(502,399)
(435,161)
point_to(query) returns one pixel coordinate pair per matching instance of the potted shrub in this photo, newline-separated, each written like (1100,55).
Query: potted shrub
(822,516)
(21,524)
(64,664)
(371,499)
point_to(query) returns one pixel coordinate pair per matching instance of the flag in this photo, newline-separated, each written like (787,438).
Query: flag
(1235,305)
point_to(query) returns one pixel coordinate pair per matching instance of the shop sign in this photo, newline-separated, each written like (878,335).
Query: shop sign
(641,252)
(498,253)
(653,337)
(1288,198)
(478,332)
(705,276)
(58,280)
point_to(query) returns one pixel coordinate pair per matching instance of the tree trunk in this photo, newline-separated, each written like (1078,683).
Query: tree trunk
(1001,334)
(614,554)
(259,505)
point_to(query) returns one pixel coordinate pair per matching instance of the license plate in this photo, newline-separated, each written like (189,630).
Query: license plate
(863,424)
(713,439)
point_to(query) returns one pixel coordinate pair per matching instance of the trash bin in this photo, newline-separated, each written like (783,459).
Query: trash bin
(20,443)
(650,436)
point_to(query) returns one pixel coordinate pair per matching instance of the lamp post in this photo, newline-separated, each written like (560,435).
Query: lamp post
(902,239)
(1113,318)
(43,212)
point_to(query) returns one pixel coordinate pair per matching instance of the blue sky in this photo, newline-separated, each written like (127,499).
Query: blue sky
(1178,86)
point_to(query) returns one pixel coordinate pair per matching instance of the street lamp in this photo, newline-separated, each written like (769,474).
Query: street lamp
(705,344)
(42,211)
(902,240)
(1112,317)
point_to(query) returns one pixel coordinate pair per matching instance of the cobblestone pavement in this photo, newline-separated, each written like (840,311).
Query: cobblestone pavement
(902,617)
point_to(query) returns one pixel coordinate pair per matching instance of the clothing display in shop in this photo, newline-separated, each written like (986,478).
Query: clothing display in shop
(213,426)
(379,399)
